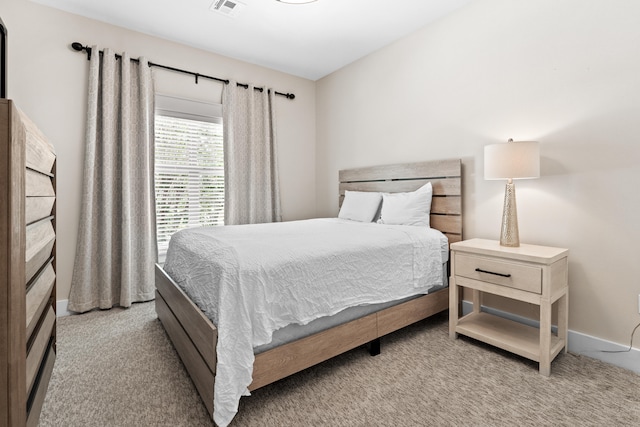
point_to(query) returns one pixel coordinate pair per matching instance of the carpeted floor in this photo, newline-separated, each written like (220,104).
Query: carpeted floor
(117,368)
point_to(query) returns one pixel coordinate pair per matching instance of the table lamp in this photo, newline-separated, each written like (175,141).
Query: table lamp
(513,160)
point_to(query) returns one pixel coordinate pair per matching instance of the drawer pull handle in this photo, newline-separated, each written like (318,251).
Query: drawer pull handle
(491,272)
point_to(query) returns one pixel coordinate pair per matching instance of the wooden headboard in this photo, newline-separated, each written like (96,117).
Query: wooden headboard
(445,177)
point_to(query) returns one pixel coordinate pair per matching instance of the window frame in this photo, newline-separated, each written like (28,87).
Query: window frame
(183,108)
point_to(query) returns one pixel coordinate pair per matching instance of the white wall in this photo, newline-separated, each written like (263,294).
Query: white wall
(565,73)
(47,80)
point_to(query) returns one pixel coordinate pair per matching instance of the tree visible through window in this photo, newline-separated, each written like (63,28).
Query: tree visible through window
(189,175)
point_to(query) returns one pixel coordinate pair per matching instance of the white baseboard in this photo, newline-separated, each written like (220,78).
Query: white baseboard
(61,308)
(579,343)
(589,346)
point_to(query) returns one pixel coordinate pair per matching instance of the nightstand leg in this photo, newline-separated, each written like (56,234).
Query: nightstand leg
(454,302)
(563,320)
(477,301)
(545,338)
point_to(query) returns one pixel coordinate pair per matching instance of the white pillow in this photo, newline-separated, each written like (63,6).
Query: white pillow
(407,208)
(360,205)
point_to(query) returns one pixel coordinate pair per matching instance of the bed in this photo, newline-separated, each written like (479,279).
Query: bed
(195,337)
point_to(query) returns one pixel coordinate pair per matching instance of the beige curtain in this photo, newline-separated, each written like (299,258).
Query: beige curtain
(252,193)
(116,247)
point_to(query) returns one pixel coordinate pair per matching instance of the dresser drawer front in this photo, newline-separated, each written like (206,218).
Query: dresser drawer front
(36,353)
(510,274)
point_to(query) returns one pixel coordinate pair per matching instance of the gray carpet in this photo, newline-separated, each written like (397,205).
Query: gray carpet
(118,368)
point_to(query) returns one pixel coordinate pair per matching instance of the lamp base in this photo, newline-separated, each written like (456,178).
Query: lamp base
(509,235)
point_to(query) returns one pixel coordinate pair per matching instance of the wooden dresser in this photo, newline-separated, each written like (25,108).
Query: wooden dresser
(27,267)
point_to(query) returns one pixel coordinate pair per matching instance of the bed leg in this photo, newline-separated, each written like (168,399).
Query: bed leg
(374,347)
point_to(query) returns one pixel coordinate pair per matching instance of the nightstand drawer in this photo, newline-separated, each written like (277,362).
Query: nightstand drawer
(511,274)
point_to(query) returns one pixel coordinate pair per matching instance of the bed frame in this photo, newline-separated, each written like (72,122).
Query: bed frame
(195,337)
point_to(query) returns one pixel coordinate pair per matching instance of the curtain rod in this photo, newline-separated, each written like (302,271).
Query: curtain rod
(79,48)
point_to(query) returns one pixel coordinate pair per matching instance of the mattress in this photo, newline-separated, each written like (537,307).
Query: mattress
(295,332)
(253,280)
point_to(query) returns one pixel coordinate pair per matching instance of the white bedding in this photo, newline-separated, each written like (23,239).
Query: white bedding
(252,280)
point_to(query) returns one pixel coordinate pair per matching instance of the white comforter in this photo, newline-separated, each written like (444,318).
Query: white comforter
(252,280)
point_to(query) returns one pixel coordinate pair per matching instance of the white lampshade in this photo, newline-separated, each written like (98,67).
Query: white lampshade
(517,160)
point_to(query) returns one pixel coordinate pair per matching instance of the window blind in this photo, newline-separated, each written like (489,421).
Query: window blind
(189,175)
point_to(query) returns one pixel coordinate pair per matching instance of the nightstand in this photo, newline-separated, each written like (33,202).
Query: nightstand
(534,274)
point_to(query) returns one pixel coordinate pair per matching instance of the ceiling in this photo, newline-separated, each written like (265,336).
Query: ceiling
(307,40)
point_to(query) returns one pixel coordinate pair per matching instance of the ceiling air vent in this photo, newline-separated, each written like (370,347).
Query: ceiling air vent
(229,8)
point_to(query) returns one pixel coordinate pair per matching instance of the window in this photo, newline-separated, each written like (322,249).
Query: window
(189,167)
